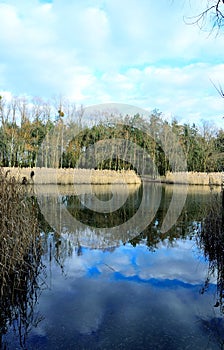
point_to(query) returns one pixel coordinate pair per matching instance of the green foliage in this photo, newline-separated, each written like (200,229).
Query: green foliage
(203,152)
(64,142)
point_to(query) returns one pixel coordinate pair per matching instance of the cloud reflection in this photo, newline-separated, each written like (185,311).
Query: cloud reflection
(109,296)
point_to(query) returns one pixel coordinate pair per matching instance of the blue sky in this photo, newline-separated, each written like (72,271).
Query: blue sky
(139,52)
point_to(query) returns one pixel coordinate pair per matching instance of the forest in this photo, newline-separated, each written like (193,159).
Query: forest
(55,134)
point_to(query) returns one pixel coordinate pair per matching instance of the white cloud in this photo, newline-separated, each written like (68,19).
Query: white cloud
(102,51)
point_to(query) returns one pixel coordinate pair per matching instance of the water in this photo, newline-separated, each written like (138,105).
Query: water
(105,285)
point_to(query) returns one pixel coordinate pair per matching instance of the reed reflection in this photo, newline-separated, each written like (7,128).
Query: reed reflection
(18,302)
(211,240)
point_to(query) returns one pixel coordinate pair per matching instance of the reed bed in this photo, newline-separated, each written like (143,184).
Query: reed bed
(194,178)
(46,176)
(211,241)
(20,250)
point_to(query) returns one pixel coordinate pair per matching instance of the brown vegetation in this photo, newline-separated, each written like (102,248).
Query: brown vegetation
(74,176)
(20,249)
(194,178)
(70,176)
(211,241)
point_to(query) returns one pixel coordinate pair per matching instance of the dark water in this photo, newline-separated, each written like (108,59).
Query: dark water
(106,285)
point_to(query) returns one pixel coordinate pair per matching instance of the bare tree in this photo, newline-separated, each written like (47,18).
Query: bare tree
(219,89)
(213,13)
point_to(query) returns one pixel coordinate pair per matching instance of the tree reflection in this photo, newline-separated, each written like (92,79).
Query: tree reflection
(20,294)
(65,234)
(184,228)
(211,240)
(98,219)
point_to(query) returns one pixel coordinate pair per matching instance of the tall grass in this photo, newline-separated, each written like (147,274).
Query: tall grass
(20,250)
(211,240)
(194,178)
(44,176)
(91,176)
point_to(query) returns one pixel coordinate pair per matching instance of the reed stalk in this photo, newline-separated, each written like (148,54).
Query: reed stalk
(211,241)
(20,252)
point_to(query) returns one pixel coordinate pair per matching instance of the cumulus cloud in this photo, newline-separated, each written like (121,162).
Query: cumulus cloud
(112,51)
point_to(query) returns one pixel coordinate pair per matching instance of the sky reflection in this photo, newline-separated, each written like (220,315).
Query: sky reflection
(181,262)
(145,293)
(127,298)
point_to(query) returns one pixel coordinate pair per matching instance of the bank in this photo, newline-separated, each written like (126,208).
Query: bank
(46,176)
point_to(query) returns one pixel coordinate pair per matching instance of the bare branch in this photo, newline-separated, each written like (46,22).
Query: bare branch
(218,88)
(213,14)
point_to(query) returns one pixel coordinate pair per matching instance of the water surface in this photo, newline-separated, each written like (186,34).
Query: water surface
(107,286)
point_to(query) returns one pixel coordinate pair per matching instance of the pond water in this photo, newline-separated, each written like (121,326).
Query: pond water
(110,282)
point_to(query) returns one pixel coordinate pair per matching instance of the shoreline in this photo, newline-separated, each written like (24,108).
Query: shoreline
(68,176)
(48,176)
(189,178)
(195,178)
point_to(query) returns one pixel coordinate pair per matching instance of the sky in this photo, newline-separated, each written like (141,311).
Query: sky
(136,52)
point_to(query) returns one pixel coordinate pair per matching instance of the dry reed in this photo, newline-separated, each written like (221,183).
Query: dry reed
(20,249)
(211,241)
(194,178)
(48,176)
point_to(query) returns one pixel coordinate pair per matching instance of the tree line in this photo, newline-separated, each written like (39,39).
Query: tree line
(54,134)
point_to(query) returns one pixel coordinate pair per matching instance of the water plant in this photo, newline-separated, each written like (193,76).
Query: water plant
(20,256)
(211,240)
